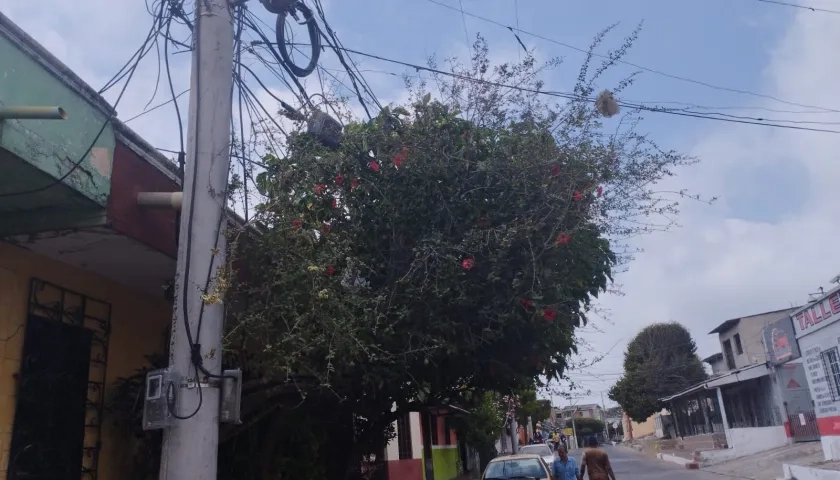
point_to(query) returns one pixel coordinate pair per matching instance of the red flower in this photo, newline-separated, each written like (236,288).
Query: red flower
(325,228)
(600,191)
(526,303)
(339,179)
(330,270)
(353,184)
(374,166)
(319,188)
(577,196)
(297,223)
(468,263)
(549,314)
(398,158)
(555,170)
(563,239)
(334,203)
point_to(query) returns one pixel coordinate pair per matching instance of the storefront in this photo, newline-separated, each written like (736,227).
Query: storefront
(818,335)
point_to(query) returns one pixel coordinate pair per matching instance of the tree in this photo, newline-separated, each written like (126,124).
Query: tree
(446,248)
(585,426)
(531,406)
(661,360)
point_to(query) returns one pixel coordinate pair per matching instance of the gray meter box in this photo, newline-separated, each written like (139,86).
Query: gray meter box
(160,391)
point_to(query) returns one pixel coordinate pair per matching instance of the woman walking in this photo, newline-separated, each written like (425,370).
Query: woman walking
(596,461)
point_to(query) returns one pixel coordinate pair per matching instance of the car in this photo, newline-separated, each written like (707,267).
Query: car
(540,449)
(517,467)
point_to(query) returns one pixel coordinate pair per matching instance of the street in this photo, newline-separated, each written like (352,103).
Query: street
(631,465)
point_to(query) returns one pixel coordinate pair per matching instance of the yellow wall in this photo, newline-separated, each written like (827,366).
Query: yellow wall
(138,322)
(646,428)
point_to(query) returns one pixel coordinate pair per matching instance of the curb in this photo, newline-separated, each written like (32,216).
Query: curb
(688,464)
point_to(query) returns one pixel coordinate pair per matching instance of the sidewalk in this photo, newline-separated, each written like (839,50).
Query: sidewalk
(769,465)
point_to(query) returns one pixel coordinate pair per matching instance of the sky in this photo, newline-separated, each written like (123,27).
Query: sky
(763,246)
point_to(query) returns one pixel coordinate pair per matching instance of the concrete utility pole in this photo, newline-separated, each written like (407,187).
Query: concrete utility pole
(190,446)
(514,436)
(604,419)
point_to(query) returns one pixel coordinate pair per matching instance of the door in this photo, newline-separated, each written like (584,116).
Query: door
(799,408)
(48,434)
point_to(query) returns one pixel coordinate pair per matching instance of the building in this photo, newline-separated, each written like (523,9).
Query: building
(817,338)
(591,410)
(741,409)
(426,445)
(83,269)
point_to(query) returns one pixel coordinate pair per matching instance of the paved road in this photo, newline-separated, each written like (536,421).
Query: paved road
(631,465)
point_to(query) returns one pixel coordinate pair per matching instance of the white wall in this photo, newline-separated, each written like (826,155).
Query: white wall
(812,344)
(747,441)
(809,473)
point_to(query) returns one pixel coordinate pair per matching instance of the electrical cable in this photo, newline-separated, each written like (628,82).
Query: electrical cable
(314,38)
(634,65)
(99,133)
(804,7)
(572,96)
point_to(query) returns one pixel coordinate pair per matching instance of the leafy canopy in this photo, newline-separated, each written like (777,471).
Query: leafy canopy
(661,360)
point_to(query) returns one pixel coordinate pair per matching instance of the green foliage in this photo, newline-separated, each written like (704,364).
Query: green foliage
(449,247)
(661,360)
(483,425)
(531,406)
(585,426)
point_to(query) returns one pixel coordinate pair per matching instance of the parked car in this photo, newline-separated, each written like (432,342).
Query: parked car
(541,449)
(519,467)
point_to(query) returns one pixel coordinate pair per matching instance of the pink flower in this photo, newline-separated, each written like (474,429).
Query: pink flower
(374,166)
(526,303)
(354,183)
(468,263)
(339,179)
(297,223)
(563,239)
(334,203)
(319,188)
(555,170)
(330,270)
(600,191)
(325,228)
(577,196)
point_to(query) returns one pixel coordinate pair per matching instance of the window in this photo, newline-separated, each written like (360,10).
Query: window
(727,353)
(433,429)
(738,348)
(447,433)
(831,363)
(526,467)
(404,437)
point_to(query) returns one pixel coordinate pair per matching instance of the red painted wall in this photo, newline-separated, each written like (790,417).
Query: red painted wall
(405,469)
(154,227)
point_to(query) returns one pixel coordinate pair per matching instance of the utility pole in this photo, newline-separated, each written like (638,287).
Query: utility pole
(190,446)
(604,419)
(514,435)
(574,427)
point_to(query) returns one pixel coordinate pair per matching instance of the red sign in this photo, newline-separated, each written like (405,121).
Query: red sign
(825,310)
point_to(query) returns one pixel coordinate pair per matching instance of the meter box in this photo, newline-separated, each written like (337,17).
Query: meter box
(231,396)
(161,388)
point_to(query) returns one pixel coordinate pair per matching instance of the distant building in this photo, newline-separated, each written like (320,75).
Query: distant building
(591,410)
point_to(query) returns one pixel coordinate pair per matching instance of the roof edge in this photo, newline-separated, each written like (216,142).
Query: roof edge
(37,52)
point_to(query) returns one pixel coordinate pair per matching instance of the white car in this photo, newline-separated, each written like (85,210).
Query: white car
(518,467)
(540,449)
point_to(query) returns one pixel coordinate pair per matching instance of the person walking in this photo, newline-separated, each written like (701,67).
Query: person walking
(596,461)
(564,467)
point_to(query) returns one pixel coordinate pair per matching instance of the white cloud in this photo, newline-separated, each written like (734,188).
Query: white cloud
(718,267)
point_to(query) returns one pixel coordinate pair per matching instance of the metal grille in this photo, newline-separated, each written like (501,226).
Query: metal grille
(56,304)
(404,437)
(831,363)
(804,427)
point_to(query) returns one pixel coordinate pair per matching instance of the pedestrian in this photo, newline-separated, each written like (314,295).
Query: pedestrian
(596,461)
(564,467)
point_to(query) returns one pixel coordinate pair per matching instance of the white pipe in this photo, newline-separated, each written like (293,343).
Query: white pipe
(168,200)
